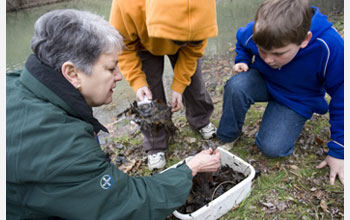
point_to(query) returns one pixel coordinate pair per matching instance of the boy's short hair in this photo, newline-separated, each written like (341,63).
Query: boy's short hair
(282,22)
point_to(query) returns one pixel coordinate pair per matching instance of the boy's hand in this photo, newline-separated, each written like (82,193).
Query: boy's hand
(240,67)
(176,101)
(142,92)
(336,168)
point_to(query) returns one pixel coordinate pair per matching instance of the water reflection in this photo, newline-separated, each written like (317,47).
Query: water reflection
(231,14)
(20,27)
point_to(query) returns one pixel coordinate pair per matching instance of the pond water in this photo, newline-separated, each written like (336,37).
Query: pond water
(231,14)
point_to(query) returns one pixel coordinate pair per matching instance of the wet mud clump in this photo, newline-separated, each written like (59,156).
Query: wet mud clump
(154,117)
(208,186)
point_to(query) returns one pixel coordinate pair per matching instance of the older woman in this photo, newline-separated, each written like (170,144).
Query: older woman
(55,166)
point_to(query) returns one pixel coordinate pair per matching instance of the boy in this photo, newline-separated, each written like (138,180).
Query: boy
(179,29)
(289,56)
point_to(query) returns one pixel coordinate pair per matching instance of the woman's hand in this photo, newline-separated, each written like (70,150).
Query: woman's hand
(176,101)
(205,161)
(240,67)
(142,92)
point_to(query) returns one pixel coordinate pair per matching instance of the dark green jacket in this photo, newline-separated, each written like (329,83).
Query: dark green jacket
(55,166)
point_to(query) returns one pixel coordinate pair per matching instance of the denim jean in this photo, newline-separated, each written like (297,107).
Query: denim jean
(280,125)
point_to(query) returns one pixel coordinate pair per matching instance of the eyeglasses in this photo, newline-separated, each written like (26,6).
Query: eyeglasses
(183,43)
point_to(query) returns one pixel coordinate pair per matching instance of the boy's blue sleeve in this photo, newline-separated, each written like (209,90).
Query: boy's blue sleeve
(336,120)
(334,85)
(243,36)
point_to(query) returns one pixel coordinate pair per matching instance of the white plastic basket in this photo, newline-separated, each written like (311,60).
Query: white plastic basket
(231,198)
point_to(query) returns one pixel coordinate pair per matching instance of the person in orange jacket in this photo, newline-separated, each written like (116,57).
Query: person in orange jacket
(179,29)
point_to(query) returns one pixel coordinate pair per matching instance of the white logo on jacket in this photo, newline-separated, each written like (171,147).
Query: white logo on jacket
(106,181)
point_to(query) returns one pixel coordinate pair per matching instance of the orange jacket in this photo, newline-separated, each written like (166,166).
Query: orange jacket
(152,24)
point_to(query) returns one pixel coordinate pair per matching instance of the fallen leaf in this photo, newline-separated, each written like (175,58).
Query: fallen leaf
(319,194)
(252,207)
(323,205)
(296,174)
(278,165)
(190,140)
(268,205)
(294,167)
(282,206)
(318,140)
(126,167)
(290,198)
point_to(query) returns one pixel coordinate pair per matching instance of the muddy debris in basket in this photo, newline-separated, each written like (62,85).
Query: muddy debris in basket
(208,186)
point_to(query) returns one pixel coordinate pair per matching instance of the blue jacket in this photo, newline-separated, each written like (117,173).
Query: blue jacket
(302,83)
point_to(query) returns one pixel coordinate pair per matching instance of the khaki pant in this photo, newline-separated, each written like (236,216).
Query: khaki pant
(196,99)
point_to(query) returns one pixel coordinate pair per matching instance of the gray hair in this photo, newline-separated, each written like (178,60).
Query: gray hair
(76,36)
